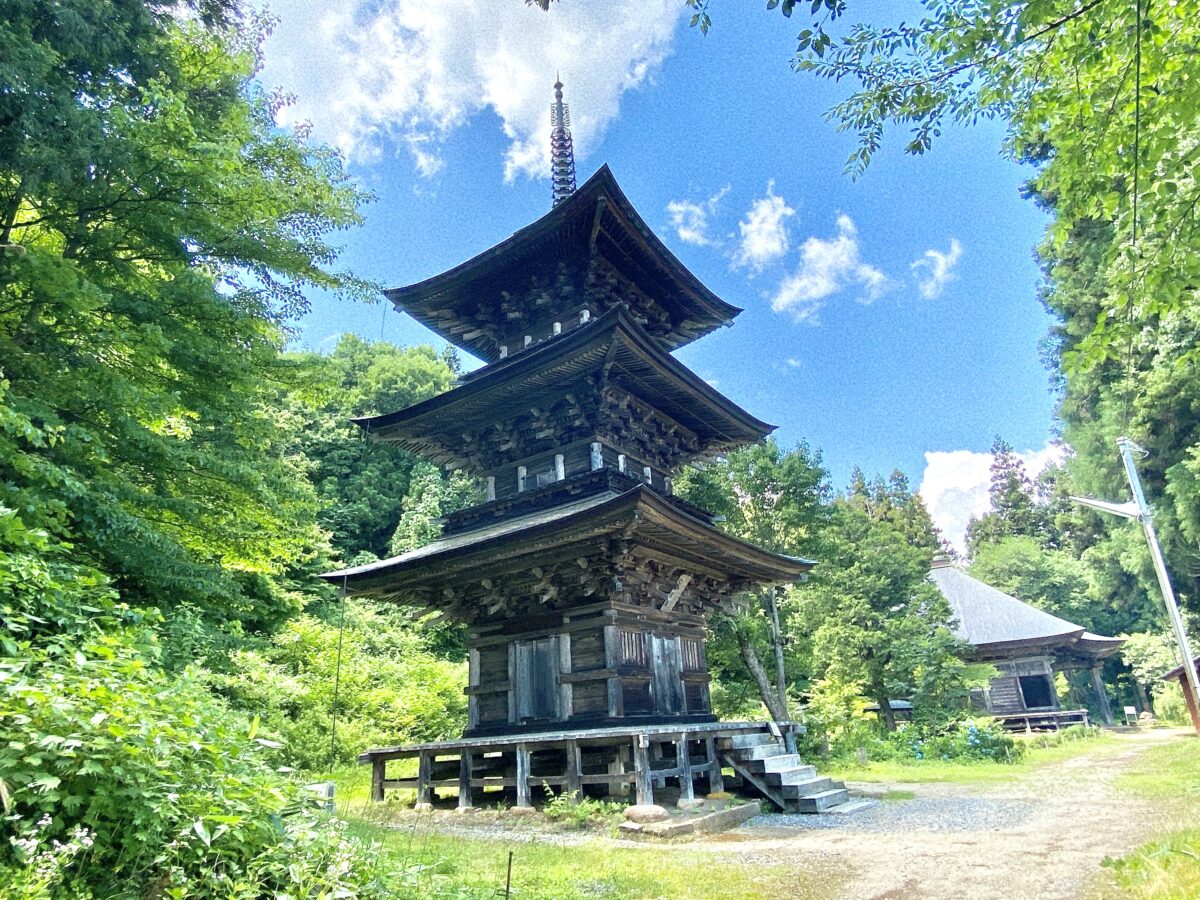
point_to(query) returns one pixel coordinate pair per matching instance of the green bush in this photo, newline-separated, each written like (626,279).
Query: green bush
(980,738)
(577,811)
(392,687)
(122,781)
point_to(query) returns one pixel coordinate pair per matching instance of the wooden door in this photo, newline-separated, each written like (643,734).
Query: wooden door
(666,663)
(536,669)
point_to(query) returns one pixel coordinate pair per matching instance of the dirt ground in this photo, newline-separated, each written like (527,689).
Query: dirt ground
(1042,836)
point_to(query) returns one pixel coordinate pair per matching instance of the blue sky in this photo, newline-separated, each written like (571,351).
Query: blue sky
(892,321)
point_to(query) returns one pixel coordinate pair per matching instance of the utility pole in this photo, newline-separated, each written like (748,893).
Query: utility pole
(789,738)
(1140,510)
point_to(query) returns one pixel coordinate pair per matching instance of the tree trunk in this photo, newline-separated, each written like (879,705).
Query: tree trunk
(765,689)
(886,711)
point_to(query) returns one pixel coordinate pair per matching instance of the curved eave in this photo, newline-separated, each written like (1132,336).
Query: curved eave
(642,514)
(416,299)
(727,423)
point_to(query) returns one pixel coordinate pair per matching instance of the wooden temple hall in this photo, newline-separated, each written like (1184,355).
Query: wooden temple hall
(1028,647)
(583,581)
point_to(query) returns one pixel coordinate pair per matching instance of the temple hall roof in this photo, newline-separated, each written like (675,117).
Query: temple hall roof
(463,304)
(995,622)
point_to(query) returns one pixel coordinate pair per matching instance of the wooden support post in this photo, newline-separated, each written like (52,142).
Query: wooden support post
(491,488)
(641,770)
(683,761)
(378,774)
(523,775)
(464,780)
(574,771)
(1191,701)
(716,781)
(1101,696)
(617,767)
(424,771)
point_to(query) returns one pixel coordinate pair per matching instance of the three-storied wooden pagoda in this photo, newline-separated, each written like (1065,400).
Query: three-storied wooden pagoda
(585,584)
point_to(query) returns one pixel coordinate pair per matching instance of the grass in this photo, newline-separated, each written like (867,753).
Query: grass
(1168,867)
(958,771)
(475,867)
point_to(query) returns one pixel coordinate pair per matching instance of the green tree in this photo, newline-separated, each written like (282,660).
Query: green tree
(163,230)
(1014,507)
(868,619)
(775,499)
(361,484)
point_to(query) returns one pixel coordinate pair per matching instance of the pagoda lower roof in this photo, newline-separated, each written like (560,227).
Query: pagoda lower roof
(613,341)
(640,516)
(597,218)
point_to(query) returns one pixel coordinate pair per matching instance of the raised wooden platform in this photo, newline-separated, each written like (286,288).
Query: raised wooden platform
(609,759)
(1042,720)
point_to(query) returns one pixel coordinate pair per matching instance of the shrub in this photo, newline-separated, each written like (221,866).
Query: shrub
(121,781)
(392,687)
(970,739)
(577,811)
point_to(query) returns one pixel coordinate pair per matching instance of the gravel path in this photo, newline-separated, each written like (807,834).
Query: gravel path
(1042,835)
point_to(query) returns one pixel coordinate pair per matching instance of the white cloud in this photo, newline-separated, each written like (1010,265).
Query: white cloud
(935,269)
(691,220)
(828,267)
(955,486)
(793,362)
(373,76)
(764,236)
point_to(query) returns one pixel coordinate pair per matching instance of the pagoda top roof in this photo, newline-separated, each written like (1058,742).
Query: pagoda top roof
(596,219)
(613,340)
(638,515)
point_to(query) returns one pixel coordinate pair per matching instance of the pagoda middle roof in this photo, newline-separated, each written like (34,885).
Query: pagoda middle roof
(597,218)
(613,341)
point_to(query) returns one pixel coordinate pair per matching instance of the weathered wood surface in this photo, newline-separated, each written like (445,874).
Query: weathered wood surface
(627,757)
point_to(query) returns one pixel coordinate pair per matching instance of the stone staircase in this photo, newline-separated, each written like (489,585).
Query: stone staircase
(766,768)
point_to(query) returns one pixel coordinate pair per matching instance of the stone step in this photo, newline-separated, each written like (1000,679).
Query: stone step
(759,751)
(798,775)
(742,741)
(824,800)
(809,787)
(778,763)
(848,808)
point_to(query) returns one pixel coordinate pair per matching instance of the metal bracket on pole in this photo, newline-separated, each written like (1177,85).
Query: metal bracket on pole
(1139,509)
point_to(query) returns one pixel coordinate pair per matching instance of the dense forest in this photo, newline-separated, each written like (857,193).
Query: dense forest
(173,477)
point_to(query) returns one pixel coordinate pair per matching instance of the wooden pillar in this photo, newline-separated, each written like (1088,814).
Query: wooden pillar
(1101,696)
(523,775)
(574,770)
(716,781)
(491,488)
(424,771)
(1191,701)
(683,762)
(464,780)
(641,771)
(617,767)
(378,773)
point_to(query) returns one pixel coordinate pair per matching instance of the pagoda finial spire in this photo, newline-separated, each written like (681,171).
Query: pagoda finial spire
(562,149)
